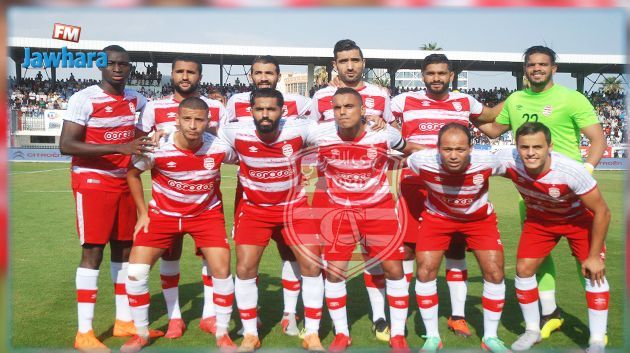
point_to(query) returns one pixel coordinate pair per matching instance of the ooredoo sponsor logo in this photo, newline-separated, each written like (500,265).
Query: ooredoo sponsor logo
(179,185)
(118,135)
(270,174)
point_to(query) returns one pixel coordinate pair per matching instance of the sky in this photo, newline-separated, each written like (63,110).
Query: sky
(568,31)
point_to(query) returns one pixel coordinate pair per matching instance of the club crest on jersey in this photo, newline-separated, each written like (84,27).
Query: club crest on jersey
(285,110)
(372,153)
(208,163)
(132,108)
(171,115)
(478,179)
(554,192)
(369,102)
(547,110)
(457,106)
(287,150)
(335,153)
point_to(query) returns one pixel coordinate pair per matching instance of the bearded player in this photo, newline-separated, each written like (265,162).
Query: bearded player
(421,115)
(265,73)
(271,179)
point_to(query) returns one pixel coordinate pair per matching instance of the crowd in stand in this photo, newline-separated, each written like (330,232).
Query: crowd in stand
(31,96)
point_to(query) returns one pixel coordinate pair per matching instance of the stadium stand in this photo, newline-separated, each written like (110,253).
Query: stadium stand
(31,96)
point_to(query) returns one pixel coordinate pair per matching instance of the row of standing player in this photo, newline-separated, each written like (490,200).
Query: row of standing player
(349,63)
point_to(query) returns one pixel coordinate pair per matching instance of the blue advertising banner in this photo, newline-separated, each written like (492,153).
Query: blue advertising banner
(37,155)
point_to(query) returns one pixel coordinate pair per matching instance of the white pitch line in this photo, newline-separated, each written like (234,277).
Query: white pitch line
(39,171)
(63,191)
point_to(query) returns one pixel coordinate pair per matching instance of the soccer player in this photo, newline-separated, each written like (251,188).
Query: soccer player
(457,180)
(567,113)
(185,172)
(265,73)
(355,162)
(561,199)
(421,115)
(217,96)
(161,115)
(349,63)
(271,182)
(98,133)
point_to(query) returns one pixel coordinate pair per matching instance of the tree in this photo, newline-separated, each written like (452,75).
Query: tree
(381,81)
(611,85)
(431,46)
(320,75)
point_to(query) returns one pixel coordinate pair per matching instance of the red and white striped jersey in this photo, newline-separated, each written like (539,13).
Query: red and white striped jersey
(185,183)
(356,171)
(270,173)
(108,119)
(161,114)
(238,108)
(457,196)
(375,99)
(555,195)
(422,117)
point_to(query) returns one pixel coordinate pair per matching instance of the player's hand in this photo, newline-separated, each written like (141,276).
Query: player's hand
(378,123)
(335,82)
(594,269)
(589,167)
(141,225)
(140,145)
(157,136)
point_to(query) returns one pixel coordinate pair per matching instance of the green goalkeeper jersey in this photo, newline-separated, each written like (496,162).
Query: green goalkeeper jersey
(562,110)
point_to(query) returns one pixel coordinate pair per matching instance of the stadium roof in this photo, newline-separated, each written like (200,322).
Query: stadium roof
(164,52)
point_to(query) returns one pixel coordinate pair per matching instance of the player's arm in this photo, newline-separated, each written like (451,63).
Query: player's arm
(492,130)
(595,134)
(593,267)
(489,114)
(73,135)
(137,193)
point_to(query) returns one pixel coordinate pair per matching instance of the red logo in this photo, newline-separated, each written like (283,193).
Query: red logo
(68,33)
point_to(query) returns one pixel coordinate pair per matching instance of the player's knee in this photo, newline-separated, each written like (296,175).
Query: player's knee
(524,270)
(246,272)
(91,258)
(334,278)
(138,272)
(310,269)
(222,272)
(426,273)
(494,275)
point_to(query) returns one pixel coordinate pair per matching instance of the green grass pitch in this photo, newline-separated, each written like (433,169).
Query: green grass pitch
(45,253)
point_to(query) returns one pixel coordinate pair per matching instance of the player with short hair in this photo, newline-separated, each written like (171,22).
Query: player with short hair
(562,200)
(457,180)
(421,115)
(217,95)
(354,162)
(98,133)
(265,73)
(349,63)
(271,179)
(567,113)
(185,172)
(161,115)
